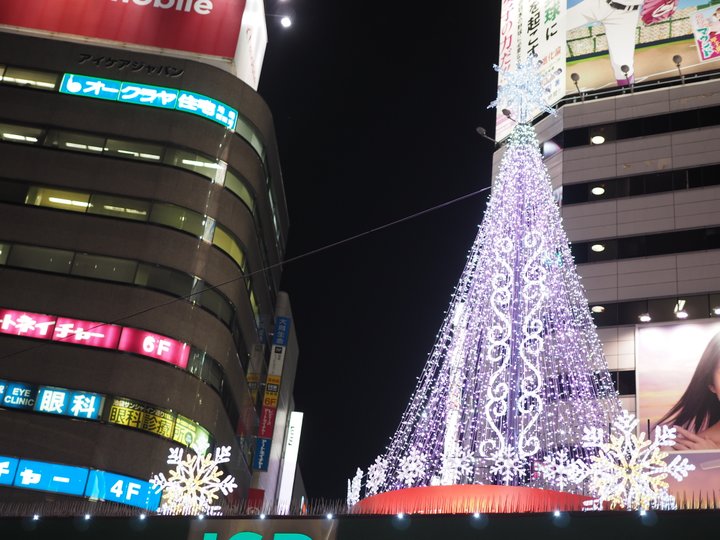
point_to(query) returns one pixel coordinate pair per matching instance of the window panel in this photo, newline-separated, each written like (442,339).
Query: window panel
(225,241)
(13,192)
(73,201)
(236,186)
(197,163)
(4,250)
(178,218)
(134,150)
(30,77)
(40,258)
(109,268)
(20,134)
(213,301)
(119,207)
(75,142)
(164,279)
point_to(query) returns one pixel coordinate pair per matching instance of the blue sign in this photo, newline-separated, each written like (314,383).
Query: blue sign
(150,96)
(3,386)
(93,87)
(143,94)
(8,466)
(69,403)
(51,477)
(262,454)
(282,331)
(209,108)
(122,489)
(19,396)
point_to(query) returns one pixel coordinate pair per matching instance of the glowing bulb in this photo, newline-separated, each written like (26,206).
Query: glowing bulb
(645,317)
(682,314)
(716,311)
(597,190)
(262,516)
(597,309)
(329,516)
(597,139)
(87,517)
(286,22)
(36,517)
(597,248)
(400,515)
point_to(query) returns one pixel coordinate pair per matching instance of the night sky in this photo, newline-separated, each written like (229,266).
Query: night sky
(375,107)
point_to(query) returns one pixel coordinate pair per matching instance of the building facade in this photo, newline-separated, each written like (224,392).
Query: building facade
(143,224)
(638,177)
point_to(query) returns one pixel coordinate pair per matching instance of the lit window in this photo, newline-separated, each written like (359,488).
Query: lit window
(225,241)
(134,150)
(121,207)
(28,77)
(57,198)
(20,134)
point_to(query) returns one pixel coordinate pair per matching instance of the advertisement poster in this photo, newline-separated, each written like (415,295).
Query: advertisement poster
(678,373)
(607,45)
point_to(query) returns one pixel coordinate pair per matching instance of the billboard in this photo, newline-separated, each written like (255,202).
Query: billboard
(591,45)
(678,383)
(208,27)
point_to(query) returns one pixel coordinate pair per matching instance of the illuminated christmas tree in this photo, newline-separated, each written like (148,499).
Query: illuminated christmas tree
(517,371)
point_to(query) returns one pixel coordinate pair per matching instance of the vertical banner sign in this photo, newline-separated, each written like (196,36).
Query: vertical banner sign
(272,393)
(508,57)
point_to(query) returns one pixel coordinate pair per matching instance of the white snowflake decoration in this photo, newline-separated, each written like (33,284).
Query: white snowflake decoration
(507,464)
(521,91)
(628,471)
(412,467)
(376,475)
(561,471)
(193,485)
(353,494)
(457,467)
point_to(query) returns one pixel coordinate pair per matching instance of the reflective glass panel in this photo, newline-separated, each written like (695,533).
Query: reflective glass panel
(61,199)
(134,150)
(30,77)
(39,258)
(227,242)
(76,142)
(20,134)
(109,268)
(178,218)
(120,207)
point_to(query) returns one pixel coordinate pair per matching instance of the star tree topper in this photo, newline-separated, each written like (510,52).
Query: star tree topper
(521,91)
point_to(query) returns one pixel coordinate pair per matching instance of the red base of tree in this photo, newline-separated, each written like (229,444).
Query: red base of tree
(468,499)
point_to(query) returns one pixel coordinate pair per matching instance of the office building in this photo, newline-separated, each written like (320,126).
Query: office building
(143,224)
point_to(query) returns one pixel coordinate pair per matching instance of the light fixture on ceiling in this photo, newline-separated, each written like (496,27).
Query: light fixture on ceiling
(716,311)
(680,311)
(598,248)
(645,317)
(598,190)
(597,309)
(597,139)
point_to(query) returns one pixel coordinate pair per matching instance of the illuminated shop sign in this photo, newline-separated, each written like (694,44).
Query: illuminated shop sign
(79,481)
(94,334)
(126,412)
(18,395)
(191,434)
(150,96)
(107,486)
(155,346)
(64,402)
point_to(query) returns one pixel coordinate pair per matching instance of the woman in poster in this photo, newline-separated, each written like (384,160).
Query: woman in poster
(697,414)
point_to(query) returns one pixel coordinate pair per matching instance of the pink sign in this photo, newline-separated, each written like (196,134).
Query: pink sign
(92,334)
(155,346)
(22,323)
(199,26)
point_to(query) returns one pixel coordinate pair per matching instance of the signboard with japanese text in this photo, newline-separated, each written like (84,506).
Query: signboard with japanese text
(207,27)
(126,412)
(191,434)
(8,467)
(51,477)
(261,457)
(149,96)
(591,45)
(21,323)
(72,403)
(92,334)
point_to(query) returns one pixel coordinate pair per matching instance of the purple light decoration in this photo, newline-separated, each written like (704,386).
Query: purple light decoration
(517,370)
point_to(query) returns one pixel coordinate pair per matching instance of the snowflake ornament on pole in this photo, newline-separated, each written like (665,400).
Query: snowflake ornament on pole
(517,370)
(354,485)
(193,486)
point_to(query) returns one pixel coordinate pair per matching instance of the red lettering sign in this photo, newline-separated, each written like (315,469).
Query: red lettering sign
(92,334)
(201,26)
(156,346)
(267,422)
